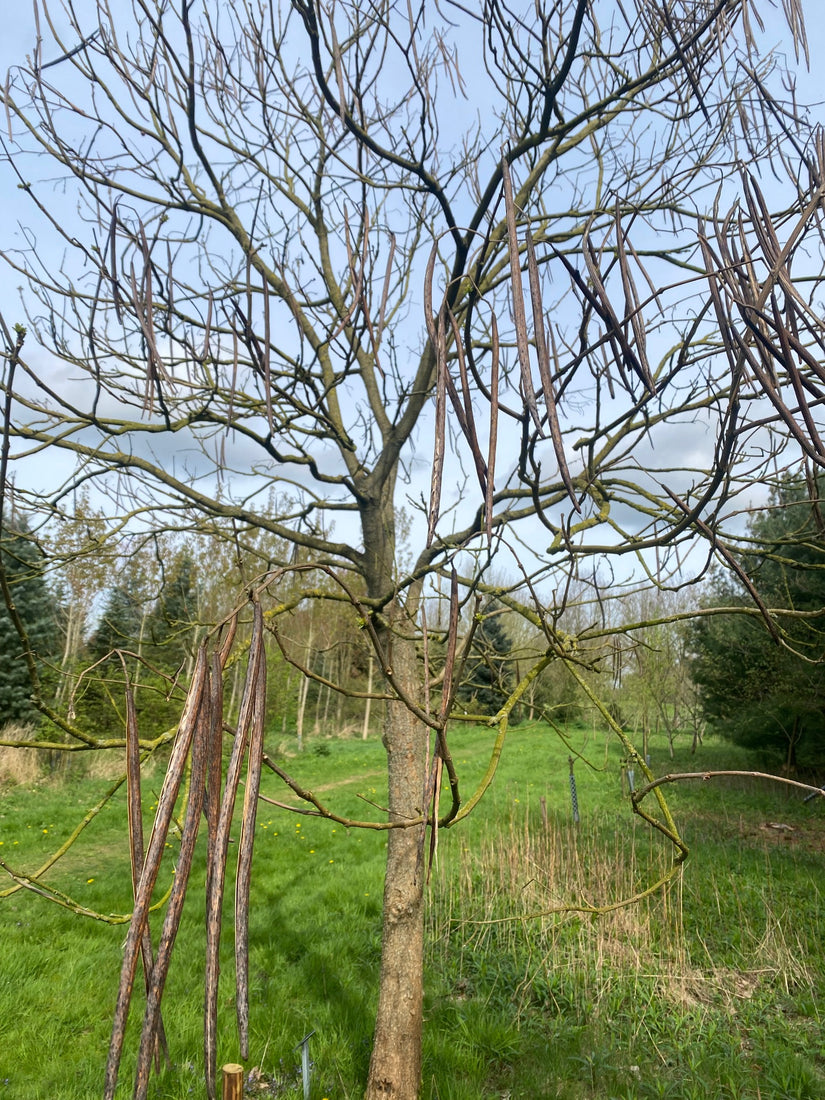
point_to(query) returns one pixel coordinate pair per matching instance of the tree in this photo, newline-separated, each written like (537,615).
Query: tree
(487,681)
(173,621)
(120,621)
(270,201)
(83,561)
(656,690)
(765,689)
(26,627)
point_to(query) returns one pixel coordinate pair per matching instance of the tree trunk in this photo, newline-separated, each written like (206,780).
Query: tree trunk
(368,707)
(793,740)
(344,668)
(316,724)
(74,628)
(395,1066)
(303,688)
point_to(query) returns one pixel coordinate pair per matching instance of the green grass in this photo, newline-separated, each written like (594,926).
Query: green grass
(710,988)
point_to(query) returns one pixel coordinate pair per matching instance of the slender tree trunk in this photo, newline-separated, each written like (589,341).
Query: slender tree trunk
(303,688)
(368,707)
(697,733)
(287,695)
(74,622)
(328,674)
(395,1067)
(793,740)
(316,723)
(344,665)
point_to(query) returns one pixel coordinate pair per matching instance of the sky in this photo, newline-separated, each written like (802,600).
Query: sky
(18,39)
(19,35)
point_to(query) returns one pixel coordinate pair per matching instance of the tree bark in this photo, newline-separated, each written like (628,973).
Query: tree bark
(303,688)
(368,707)
(395,1066)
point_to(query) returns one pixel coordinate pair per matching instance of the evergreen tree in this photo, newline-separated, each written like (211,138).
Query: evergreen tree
(22,562)
(159,631)
(119,625)
(173,621)
(487,679)
(754,689)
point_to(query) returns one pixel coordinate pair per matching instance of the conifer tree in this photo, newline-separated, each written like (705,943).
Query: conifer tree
(764,689)
(119,624)
(173,621)
(489,677)
(22,567)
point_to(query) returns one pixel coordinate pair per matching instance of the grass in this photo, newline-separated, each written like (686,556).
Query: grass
(708,989)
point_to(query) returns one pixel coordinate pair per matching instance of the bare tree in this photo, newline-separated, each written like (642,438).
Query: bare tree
(302,245)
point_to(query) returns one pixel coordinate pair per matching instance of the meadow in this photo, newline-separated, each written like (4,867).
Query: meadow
(710,987)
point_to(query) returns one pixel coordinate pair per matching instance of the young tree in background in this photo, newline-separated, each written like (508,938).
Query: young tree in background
(121,618)
(314,238)
(82,562)
(656,690)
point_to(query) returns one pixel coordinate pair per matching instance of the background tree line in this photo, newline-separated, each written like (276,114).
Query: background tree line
(706,657)
(99,618)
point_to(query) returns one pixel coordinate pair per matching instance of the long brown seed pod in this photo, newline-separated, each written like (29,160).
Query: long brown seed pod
(439,435)
(546,374)
(493,441)
(136,849)
(519,315)
(171,923)
(151,867)
(217,868)
(214,762)
(244,877)
(464,412)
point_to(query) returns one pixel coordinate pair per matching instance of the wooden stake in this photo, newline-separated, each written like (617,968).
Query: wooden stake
(232,1081)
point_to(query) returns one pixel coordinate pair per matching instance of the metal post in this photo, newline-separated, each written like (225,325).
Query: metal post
(573,796)
(305,1063)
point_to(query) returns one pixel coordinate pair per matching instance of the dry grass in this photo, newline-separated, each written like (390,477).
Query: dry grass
(19,767)
(782,955)
(106,764)
(547,875)
(493,903)
(28,767)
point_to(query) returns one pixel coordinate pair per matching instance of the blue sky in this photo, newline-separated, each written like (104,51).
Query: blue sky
(18,40)
(19,34)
